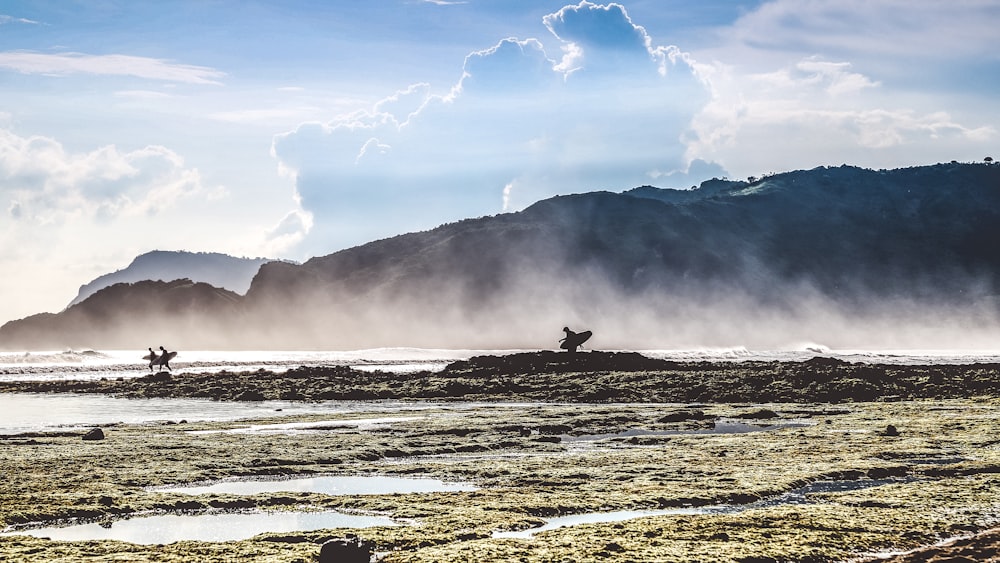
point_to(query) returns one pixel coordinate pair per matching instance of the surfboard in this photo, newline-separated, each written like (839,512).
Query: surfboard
(576,340)
(149,357)
(167,357)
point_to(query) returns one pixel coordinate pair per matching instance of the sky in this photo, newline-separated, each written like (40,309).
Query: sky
(297,128)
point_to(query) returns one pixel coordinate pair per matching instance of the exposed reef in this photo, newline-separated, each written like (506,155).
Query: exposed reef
(594,377)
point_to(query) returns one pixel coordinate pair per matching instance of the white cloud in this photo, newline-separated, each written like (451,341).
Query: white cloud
(5,19)
(28,62)
(818,113)
(50,184)
(926,29)
(802,83)
(518,126)
(507,189)
(288,233)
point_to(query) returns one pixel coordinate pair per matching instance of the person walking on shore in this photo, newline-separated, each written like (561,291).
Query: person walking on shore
(152,359)
(165,358)
(573,340)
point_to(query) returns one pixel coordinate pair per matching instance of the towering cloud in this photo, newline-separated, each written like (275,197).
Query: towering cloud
(527,119)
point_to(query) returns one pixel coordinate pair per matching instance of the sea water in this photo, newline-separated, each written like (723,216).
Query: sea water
(97,364)
(218,527)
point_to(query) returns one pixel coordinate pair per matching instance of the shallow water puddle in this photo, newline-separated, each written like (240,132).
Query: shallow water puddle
(797,496)
(38,412)
(205,527)
(723,427)
(328,485)
(318,426)
(600,518)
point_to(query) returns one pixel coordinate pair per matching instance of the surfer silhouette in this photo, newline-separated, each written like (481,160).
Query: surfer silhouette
(165,358)
(152,357)
(573,340)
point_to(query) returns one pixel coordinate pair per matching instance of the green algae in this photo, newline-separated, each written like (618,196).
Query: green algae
(945,461)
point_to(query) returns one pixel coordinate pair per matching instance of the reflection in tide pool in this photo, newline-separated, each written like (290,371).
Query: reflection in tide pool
(329,485)
(802,495)
(601,518)
(39,412)
(206,527)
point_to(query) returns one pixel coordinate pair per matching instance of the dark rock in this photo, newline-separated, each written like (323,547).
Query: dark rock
(250,395)
(93,435)
(758,414)
(683,415)
(821,361)
(547,439)
(891,431)
(345,550)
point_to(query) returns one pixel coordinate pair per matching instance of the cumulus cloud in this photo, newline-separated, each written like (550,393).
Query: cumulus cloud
(814,111)
(45,183)
(287,233)
(28,62)
(526,119)
(797,84)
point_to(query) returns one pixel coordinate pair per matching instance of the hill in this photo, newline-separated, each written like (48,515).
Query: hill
(138,315)
(220,270)
(843,256)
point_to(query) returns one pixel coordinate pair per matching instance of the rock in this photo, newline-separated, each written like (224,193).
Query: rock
(250,395)
(158,377)
(891,431)
(95,434)
(759,414)
(345,550)
(684,415)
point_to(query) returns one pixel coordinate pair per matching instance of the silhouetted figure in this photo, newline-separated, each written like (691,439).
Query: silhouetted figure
(152,357)
(573,340)
(165,358)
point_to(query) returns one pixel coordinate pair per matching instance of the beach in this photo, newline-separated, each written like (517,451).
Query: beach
(592,457)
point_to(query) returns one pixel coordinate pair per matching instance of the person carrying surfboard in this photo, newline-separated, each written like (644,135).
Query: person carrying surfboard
(152,357)
(165,358)
(573,340)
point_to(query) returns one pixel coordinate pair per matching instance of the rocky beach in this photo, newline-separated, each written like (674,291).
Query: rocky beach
(819,460)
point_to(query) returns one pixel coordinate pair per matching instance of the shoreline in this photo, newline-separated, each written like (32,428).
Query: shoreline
(590,377)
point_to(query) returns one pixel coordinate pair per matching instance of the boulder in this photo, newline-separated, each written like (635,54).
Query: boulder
(345,550)
(95,434)
(759,414)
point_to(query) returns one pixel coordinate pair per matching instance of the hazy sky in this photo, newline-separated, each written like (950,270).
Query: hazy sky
(294,129)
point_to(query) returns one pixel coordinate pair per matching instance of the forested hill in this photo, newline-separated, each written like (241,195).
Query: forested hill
(801,255)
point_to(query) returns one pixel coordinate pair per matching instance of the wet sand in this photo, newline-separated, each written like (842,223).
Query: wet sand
(601,433)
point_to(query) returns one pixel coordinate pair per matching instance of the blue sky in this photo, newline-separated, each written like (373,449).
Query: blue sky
(294,129)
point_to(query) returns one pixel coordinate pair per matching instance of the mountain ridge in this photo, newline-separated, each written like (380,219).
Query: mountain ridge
(860,255)
(221,270)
